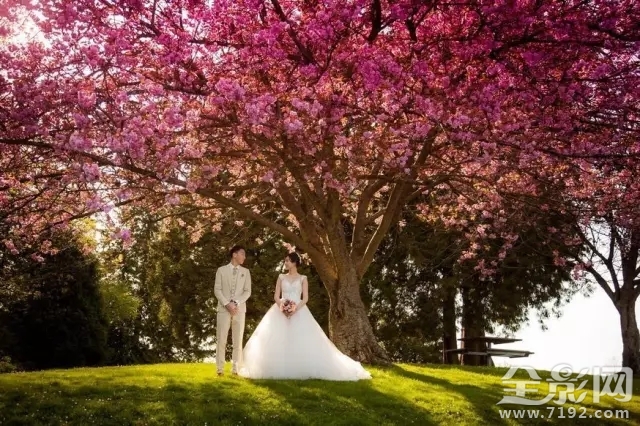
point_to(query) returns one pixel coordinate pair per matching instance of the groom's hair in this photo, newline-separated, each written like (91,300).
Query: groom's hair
(235,249)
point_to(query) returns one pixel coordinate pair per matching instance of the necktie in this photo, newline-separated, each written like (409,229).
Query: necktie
(234,281)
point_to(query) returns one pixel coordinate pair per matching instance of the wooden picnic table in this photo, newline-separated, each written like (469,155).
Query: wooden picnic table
(474,348)
(490,340)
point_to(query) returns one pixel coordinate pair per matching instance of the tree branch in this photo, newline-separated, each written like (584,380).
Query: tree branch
(34,178)
(603,283)
(376,20)
(630,259)
(285,232)
(612,241)
(304,51)
(91,212)
(395,204)
(308,226)
(206,192)
(605,261)
(314,199)
(357,239)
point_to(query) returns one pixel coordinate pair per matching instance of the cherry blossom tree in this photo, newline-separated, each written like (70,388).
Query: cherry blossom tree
(605,218)
(613,263)
(330,116)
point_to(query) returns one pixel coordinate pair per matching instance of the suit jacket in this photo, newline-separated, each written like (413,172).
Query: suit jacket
(223,288)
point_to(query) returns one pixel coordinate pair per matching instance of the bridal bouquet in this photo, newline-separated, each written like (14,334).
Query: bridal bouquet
(288,307)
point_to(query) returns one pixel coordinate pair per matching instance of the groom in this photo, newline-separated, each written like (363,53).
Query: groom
(232,289)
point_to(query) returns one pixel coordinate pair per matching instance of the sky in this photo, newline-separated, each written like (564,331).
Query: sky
(587,335)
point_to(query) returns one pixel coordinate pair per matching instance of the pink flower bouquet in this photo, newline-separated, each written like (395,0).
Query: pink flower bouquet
(288,307)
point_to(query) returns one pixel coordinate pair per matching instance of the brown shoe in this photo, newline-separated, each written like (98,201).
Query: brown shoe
(220,374)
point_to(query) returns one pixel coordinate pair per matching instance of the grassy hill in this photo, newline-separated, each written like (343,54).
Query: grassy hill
(191,394)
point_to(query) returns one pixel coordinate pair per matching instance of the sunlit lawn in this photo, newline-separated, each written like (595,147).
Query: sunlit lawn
(191,394)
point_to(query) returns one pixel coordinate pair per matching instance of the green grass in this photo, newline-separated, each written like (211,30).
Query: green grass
(191,394)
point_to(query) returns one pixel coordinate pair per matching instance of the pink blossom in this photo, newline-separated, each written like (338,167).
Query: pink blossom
(124,235)
(230,89)
(86,98)
(94,203)
(172,199)
(124,194)
(192,185)
(300,105)
(10,246)
(79,142)
(91,172)
(173,118)
(293,125)
(558,260)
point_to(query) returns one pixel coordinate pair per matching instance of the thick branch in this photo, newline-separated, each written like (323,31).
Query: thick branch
(612,243)
(357,240)
(603,283)
(411,27)
(334,206)
(314,199)
(206,192)
(395,204)
(630,260)
(376,20)
(605,261)
(304,51)
(221,43)
(91,213)
(636,288)
(34,178)
(308,228)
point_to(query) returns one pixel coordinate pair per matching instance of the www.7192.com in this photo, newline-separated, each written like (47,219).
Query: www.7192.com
(561,413)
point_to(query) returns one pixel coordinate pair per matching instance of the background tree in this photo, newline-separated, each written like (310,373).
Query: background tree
(51,307)
(170,271)
(420,291)
(611,259)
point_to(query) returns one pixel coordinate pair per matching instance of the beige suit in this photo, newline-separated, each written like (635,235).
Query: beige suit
(231,286)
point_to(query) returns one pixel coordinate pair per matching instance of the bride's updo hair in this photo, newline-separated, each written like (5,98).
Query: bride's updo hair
(294,258)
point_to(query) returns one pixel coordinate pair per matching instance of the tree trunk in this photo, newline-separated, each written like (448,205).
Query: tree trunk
(629,327)
(349,326)
(473,324)
(449,326)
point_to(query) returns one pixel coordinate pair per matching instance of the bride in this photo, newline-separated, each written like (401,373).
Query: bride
(291,345)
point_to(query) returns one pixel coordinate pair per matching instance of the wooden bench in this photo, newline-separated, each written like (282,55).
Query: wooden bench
(511,353)
(456,351)
(487,353)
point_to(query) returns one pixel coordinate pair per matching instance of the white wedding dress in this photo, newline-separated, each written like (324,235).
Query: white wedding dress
(295,347)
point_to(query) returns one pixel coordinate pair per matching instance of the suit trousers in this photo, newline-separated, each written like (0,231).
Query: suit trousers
(236,322)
